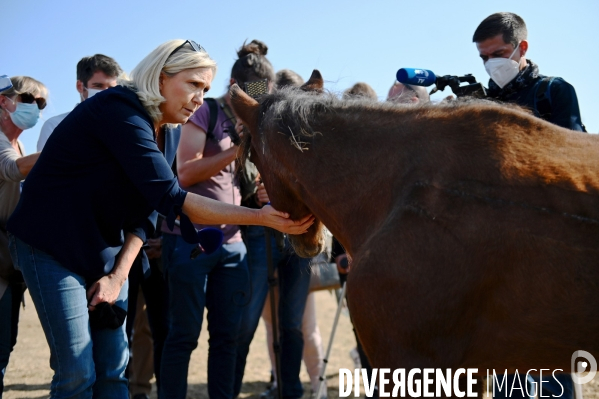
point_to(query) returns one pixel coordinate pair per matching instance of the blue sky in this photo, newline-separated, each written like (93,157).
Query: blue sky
(348,41)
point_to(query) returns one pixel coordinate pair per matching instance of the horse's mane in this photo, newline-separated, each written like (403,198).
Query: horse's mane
(294,112)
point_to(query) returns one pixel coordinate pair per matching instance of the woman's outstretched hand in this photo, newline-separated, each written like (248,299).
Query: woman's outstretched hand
(270,217)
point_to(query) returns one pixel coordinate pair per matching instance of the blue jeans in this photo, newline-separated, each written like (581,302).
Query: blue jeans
(550,387)
(9,319)
(294,284)
(218,282)
(86,363)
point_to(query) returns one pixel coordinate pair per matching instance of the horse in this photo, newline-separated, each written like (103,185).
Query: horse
(472,227)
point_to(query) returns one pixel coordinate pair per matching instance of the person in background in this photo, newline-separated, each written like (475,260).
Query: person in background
(94,74)
(501,41)
(20,108)
(293,271)
(407,94)
(313,354)
(75,243)
(360,90)
(288,78)
(206,165)
(147,310)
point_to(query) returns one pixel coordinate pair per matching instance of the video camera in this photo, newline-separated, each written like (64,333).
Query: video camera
(424,77)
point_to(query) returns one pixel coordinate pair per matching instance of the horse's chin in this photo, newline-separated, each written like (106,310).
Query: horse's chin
(307,247)
(308,252)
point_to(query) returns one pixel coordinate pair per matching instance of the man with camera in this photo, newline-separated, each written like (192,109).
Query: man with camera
(501,40)
(502,45)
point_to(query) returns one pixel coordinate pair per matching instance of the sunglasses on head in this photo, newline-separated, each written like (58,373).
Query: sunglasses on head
(30,98)
(194,46)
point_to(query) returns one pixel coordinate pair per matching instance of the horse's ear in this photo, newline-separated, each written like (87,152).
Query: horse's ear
(315,83)
(245,107)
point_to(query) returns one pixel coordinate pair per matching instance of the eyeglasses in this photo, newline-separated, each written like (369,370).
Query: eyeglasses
(30,99)
(194,46)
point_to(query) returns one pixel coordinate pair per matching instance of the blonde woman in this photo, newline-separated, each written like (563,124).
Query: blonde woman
(83,213)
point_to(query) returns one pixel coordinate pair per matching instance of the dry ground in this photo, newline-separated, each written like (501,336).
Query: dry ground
(28,374)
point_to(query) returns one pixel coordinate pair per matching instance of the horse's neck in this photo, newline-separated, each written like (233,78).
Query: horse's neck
(345,190)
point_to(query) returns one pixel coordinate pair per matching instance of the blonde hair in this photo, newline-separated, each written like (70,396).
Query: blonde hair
(25,84)
(145,77)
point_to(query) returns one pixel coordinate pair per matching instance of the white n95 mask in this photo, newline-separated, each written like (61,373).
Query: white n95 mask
(503,70)
(92,92)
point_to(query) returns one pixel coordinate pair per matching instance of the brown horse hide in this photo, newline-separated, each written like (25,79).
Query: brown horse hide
(473,227)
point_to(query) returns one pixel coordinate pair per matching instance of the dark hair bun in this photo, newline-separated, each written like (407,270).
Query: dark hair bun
(254,47)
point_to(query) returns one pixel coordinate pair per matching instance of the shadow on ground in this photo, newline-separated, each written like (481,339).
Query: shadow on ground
(27,390)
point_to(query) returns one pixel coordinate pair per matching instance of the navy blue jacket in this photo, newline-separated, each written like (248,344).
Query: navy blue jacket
(100,175)
(562,97)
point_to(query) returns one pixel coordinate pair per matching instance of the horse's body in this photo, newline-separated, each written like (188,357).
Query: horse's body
(473,229)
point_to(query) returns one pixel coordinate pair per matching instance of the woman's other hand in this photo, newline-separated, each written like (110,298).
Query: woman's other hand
(106,289)
(270,217)
(261,194)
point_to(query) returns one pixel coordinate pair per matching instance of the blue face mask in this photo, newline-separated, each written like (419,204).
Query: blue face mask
(25,116)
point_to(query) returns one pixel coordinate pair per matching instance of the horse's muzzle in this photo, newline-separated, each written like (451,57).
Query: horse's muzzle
(306,250)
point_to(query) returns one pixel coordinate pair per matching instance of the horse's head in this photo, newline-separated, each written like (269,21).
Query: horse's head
(264,145)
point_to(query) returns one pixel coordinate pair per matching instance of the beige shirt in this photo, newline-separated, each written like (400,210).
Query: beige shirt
(10,184)
(10,177)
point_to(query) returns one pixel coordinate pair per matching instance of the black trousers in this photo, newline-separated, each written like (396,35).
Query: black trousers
(155,292)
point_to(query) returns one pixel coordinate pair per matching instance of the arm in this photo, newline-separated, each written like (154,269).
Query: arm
(202,210)
(192,166)
(26,163)
(107,288)
(9,169)
(564,105)
(131,141)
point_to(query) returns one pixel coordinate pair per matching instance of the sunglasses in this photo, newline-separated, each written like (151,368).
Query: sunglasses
(194,46)
(30,98)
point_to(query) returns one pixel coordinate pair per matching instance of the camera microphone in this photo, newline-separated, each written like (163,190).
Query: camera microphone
(424,77)
(416,76)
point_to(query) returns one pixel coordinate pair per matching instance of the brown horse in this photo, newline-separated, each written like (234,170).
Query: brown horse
(473,228)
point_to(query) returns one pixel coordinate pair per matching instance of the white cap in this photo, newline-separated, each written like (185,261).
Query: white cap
(5,83)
